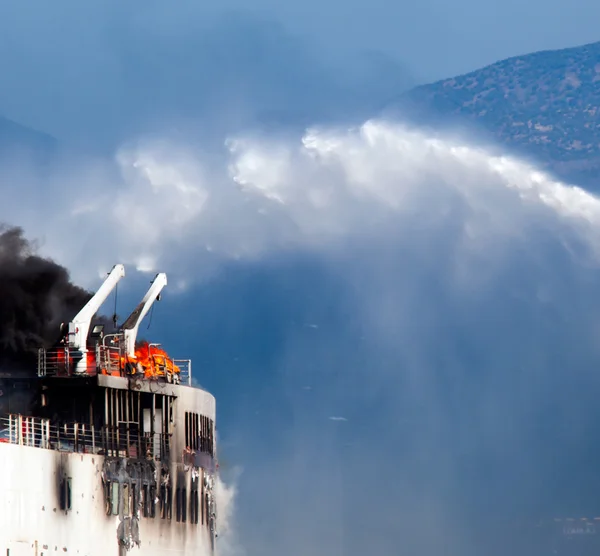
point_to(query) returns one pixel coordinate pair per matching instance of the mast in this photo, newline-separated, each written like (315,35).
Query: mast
(80,325)
(132,324)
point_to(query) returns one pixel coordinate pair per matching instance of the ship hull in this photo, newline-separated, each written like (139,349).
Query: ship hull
(33,524)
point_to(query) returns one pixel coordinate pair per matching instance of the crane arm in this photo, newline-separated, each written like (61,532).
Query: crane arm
(132,324)
(80,325)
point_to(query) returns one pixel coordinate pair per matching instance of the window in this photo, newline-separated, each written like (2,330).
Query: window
(65,494)
(194,506)
(161,501)
(135,500)
(206,508)
(145,495)
(126,499)
(148,500)
(181,505)
(152,502)
(178,504)
(114,498)
(192,430)
(106,496)
(165,501)
(169,502)
(206,435)
(199,432)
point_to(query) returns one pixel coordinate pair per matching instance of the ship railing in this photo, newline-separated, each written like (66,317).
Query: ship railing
(105,360)
(84,438)
(41,433)
(27,431)
(58,361)
(53,362)
(185,370)
(120,441)
(109,360)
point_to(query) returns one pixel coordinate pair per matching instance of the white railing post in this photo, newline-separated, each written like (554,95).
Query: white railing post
(20,430)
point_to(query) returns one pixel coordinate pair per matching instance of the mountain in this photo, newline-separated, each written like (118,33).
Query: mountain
(545,105)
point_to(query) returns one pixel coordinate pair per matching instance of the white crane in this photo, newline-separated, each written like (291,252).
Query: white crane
(79,327)
(131,325)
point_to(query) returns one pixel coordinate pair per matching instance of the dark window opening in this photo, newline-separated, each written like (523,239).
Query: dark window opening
(145,501)
(199,433)
(65,494)
(187,430)
(107,497)
(194,503)
(68,493)
(183,505)
(206,508)
(192,430)
(152,502)
(148,500)
(165,502)
(135,500)
(178,504)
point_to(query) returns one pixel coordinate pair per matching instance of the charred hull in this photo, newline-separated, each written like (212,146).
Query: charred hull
(136,463)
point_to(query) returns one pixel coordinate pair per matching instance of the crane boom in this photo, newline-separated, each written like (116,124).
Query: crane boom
(132,324)
(79,327)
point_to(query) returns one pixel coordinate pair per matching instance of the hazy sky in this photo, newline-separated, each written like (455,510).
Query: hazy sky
(106,70)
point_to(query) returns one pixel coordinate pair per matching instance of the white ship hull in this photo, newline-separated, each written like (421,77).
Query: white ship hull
(32,523)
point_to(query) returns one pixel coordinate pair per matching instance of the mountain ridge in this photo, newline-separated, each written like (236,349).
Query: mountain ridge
(544,105)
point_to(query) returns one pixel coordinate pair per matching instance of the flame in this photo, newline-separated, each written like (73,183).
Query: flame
(91,361)
(154,362)
(149,361)
(63,362)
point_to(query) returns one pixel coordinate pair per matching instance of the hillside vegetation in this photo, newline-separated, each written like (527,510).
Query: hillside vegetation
(545,105)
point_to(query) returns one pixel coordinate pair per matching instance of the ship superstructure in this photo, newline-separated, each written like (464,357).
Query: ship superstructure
(107,447)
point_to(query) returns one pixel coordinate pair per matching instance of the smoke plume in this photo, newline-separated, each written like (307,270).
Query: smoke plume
(37,296)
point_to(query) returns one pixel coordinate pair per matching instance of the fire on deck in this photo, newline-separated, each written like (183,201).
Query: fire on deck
(85,350)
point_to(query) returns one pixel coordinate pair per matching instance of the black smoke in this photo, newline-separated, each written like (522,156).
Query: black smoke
(36,296)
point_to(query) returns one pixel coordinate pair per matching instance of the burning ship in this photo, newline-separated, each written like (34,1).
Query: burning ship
(107,447)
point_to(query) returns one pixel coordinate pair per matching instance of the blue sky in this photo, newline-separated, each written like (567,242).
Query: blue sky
(401,329)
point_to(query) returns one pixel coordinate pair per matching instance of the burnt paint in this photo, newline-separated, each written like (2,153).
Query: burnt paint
(61,472)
